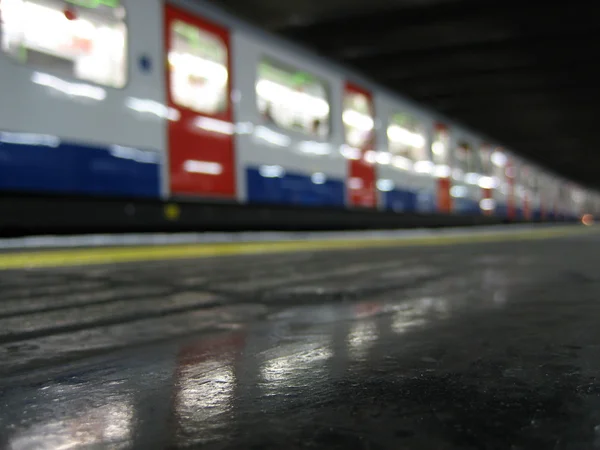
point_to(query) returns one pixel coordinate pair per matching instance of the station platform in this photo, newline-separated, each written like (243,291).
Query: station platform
(461,339)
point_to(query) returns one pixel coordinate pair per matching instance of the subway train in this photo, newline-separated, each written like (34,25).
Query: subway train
(144,113)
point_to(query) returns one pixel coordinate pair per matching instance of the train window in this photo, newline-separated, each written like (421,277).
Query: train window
(292,99)
(531,180)
(358,119)
(85,40)
(198,69)
(467,158)
(406,137)
(440,145)
(487,166)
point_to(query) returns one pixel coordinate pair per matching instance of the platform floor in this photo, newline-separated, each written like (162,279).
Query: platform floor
(470,346)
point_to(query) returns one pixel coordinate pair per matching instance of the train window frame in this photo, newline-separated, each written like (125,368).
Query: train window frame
(277,63)
(421,123)
(224,46)
(127,65)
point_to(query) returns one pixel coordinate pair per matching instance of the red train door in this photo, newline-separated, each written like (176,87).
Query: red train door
(441,158)
(200,129)
(359,127)
(511,202)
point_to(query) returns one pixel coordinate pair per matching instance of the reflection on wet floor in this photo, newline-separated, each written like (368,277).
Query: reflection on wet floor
(486,346)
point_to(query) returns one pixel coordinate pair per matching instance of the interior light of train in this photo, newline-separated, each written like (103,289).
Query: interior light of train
(472,178)
(214,125)
(370,157)
(280,94)
(195,65)
(399,134)
(349,152)
(404,163)
(95,47)
(438,148)
(357,120)
(384,158)
(488,182)
(442,171)
(314,147)
(424,167)
(66,87)
(385,185)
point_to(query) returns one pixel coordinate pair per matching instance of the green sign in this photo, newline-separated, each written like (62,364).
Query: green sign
(95,3)
(203,46)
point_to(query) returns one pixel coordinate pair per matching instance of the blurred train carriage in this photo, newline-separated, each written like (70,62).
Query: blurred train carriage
(110,123)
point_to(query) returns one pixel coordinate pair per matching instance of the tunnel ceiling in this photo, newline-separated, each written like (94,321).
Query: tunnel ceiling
(524,72)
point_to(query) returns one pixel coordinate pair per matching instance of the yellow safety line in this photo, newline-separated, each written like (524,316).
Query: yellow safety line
(108,255)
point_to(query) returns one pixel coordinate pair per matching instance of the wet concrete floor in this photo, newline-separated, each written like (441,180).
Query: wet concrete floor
(482,346)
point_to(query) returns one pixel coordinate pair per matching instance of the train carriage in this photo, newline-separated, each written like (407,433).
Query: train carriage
(98,102)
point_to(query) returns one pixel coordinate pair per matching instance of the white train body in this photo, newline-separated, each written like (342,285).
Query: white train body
(146,99)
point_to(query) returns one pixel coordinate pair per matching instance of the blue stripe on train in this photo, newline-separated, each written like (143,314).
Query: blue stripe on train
(465,205)
(36,163)
(409,201)
(501,210)
(271,184)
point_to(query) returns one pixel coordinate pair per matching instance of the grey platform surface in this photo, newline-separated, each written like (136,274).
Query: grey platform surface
(482,346)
